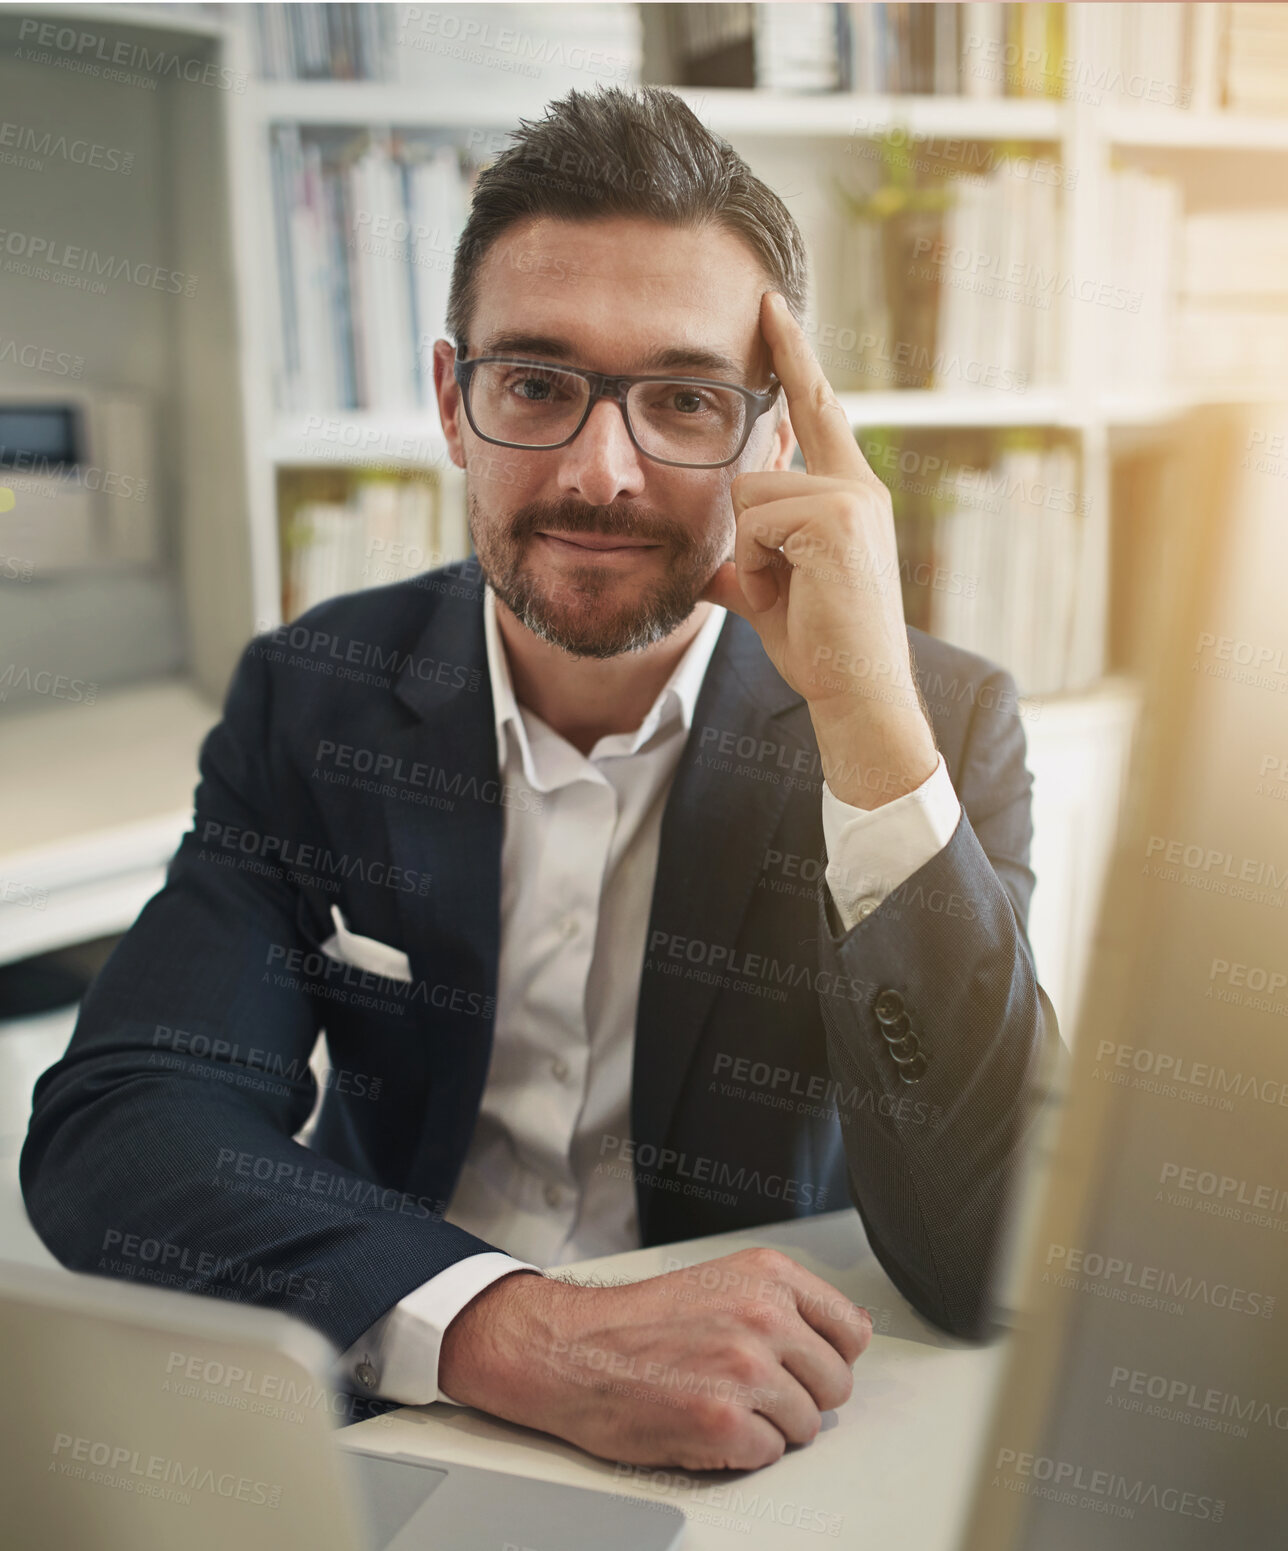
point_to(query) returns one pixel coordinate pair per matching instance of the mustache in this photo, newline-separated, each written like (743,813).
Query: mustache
(613,521)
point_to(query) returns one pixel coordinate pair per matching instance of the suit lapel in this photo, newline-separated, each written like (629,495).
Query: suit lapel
(716,828)
(452,932)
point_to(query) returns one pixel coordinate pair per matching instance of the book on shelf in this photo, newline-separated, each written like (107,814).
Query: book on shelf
(951,282)
(384,530)
(1136,311)
(990,532)
(873,48)
(323,42)
(1255,56)
(1233,303)
(366,228)
(1206,293)
(545,48)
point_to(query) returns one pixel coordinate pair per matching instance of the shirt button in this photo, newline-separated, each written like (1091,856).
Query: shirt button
(560,1069)
(864,908)
(365,1374)
(568,927)
(553,1195)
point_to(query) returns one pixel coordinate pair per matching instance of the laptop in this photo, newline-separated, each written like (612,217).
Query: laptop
(144,1419)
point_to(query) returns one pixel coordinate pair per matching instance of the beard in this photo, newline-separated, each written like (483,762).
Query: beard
(580,612)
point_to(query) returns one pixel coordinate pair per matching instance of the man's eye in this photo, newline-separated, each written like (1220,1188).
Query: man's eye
(533,388)
(686,401)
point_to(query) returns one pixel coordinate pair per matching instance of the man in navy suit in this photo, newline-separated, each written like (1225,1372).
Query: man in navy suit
(648,875)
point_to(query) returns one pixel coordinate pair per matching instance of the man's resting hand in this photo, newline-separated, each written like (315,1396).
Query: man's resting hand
(715,1366)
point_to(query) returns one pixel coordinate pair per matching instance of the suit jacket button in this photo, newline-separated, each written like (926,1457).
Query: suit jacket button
(905,1050)
(912,1070)
(888,1006)
(897,1029)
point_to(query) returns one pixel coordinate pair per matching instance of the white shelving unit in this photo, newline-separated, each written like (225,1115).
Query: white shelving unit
(1078,135)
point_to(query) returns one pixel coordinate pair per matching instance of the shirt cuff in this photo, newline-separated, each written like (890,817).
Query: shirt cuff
(397,1358)
(871,851)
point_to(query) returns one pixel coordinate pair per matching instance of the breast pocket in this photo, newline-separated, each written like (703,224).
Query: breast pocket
(367,953)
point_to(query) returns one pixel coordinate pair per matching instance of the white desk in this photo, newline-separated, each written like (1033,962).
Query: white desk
(892,1468)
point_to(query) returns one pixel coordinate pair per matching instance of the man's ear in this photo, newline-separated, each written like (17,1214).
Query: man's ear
(448,395)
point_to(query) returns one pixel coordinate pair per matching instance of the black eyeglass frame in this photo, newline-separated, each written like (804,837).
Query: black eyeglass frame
(604,385)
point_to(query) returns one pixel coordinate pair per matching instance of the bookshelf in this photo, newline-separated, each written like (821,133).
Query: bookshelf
(797,141)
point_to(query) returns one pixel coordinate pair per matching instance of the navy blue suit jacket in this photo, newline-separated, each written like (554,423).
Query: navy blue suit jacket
(356,765)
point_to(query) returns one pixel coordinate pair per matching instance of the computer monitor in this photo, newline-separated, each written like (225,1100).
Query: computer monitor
(1145,1402)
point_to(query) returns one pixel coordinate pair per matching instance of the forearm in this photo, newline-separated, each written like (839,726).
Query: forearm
(933,1161)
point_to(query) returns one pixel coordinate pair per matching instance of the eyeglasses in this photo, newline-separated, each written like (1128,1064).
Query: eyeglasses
(687,422)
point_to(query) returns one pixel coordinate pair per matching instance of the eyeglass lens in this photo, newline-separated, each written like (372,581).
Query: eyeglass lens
(540,406)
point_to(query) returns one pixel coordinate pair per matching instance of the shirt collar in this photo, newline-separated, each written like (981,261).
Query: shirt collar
(677,698)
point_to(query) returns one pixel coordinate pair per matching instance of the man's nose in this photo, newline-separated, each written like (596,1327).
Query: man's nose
(602,465)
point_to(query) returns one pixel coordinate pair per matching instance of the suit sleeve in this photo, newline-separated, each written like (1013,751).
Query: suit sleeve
(954,1035)
(161,1144)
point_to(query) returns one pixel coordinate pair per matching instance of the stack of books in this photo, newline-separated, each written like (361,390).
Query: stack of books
(990,534)
(1233,304)
(366,231)
(542,50)
(387,530)
(1134,305)
(905,48)
(323,42)
(1256,57)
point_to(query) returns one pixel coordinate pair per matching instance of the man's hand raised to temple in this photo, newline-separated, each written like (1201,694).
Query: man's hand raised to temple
(816,572)
(715,1366)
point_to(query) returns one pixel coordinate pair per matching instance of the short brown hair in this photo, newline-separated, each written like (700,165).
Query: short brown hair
(615,152)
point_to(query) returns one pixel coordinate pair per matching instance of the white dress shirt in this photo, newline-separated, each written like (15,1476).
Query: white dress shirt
(576,890)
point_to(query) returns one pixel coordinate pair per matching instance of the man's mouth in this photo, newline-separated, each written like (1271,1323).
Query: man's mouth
(600,543)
